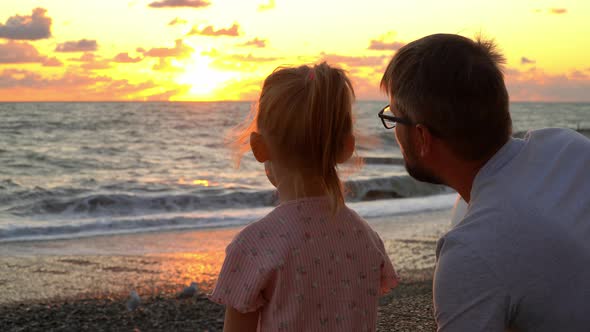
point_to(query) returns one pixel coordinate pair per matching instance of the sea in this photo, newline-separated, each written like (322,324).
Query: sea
(70,170)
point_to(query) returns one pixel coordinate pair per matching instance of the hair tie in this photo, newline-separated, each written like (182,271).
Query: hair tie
(311,75)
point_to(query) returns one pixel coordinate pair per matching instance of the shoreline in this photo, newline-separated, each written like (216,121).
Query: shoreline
(91,278)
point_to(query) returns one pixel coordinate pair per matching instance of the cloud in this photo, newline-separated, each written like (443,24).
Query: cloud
(526,61)
(266,6)
(19,78)
(14,52)
(355,61)
(386,43)
(558,11)
(34,27)
(125,58)
(251,58)
(578,75)
(166,95)
(86,57)
(380,45)
(237,62)
(232,31)
(260,43)
(244,88)
(555,11)
(165,65)
(97,65)
(180,3)
(180,50)
(51,62)
(536,85)
(177,21)
(92,62)
(83,45)
(16,84)
(367,87)
(213,53)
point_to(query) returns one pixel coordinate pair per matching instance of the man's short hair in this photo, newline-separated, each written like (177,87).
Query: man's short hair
(455,87)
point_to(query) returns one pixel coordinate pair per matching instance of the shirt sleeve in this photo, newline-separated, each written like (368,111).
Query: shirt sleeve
(243,277)
(389,278)
(468,296)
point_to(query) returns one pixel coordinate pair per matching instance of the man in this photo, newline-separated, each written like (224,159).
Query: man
(520,258)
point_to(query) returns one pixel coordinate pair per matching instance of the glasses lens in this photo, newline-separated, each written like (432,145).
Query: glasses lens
(388,123)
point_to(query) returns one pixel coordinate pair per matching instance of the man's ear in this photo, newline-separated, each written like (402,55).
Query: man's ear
(424,138)
(259,147)
(347,149)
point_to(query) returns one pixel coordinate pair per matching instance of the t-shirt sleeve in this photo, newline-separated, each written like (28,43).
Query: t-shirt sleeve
(244,275)
(389,278)
(468,296)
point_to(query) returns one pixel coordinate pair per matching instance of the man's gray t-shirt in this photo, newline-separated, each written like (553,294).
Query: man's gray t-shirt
(520,258)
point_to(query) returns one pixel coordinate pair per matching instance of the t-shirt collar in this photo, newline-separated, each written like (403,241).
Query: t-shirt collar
(496,163)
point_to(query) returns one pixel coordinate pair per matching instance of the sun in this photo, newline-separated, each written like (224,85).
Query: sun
(206,83)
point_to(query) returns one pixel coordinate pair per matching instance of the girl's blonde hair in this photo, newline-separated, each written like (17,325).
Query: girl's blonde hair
(305,114)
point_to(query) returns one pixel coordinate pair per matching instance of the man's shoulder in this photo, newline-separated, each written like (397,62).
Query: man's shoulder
(556,136)
(480,231)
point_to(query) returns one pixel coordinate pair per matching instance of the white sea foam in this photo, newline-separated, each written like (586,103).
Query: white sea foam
(64,228)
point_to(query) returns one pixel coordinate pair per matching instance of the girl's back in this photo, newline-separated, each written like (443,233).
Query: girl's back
(309,269)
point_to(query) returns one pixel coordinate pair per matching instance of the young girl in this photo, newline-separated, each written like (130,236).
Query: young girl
(311,264)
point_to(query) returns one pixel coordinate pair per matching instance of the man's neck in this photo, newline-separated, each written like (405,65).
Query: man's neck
(461,175)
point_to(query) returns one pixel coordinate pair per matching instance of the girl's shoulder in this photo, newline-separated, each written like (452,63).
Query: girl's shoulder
(256,229)
(362,226)
(280,218)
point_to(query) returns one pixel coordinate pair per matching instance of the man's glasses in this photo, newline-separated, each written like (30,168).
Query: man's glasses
(389,120)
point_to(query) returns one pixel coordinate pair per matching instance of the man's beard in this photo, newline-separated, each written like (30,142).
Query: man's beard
(415,170)
(421,174)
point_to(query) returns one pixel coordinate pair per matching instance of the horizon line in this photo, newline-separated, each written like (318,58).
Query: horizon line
(246,101)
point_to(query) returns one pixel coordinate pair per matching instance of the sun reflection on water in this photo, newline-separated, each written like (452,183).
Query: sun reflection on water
(197,182)
(203,183)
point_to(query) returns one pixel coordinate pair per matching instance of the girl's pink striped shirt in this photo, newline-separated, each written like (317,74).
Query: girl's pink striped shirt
(307,270)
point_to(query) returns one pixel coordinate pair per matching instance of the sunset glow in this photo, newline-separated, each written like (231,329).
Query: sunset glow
(204,81)
(223,49)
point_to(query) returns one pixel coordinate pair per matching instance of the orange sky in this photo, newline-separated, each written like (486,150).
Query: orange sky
(201,50)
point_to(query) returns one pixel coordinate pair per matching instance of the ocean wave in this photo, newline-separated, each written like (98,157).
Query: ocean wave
(17,193)
(85,228)
(383,160)
(84,203)
(76,228)
(114,204)
(9,184)
(401,186)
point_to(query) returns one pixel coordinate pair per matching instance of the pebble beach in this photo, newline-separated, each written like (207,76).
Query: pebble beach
(84,284)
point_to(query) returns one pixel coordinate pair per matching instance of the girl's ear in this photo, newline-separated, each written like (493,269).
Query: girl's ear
(347,149)
(259,147)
